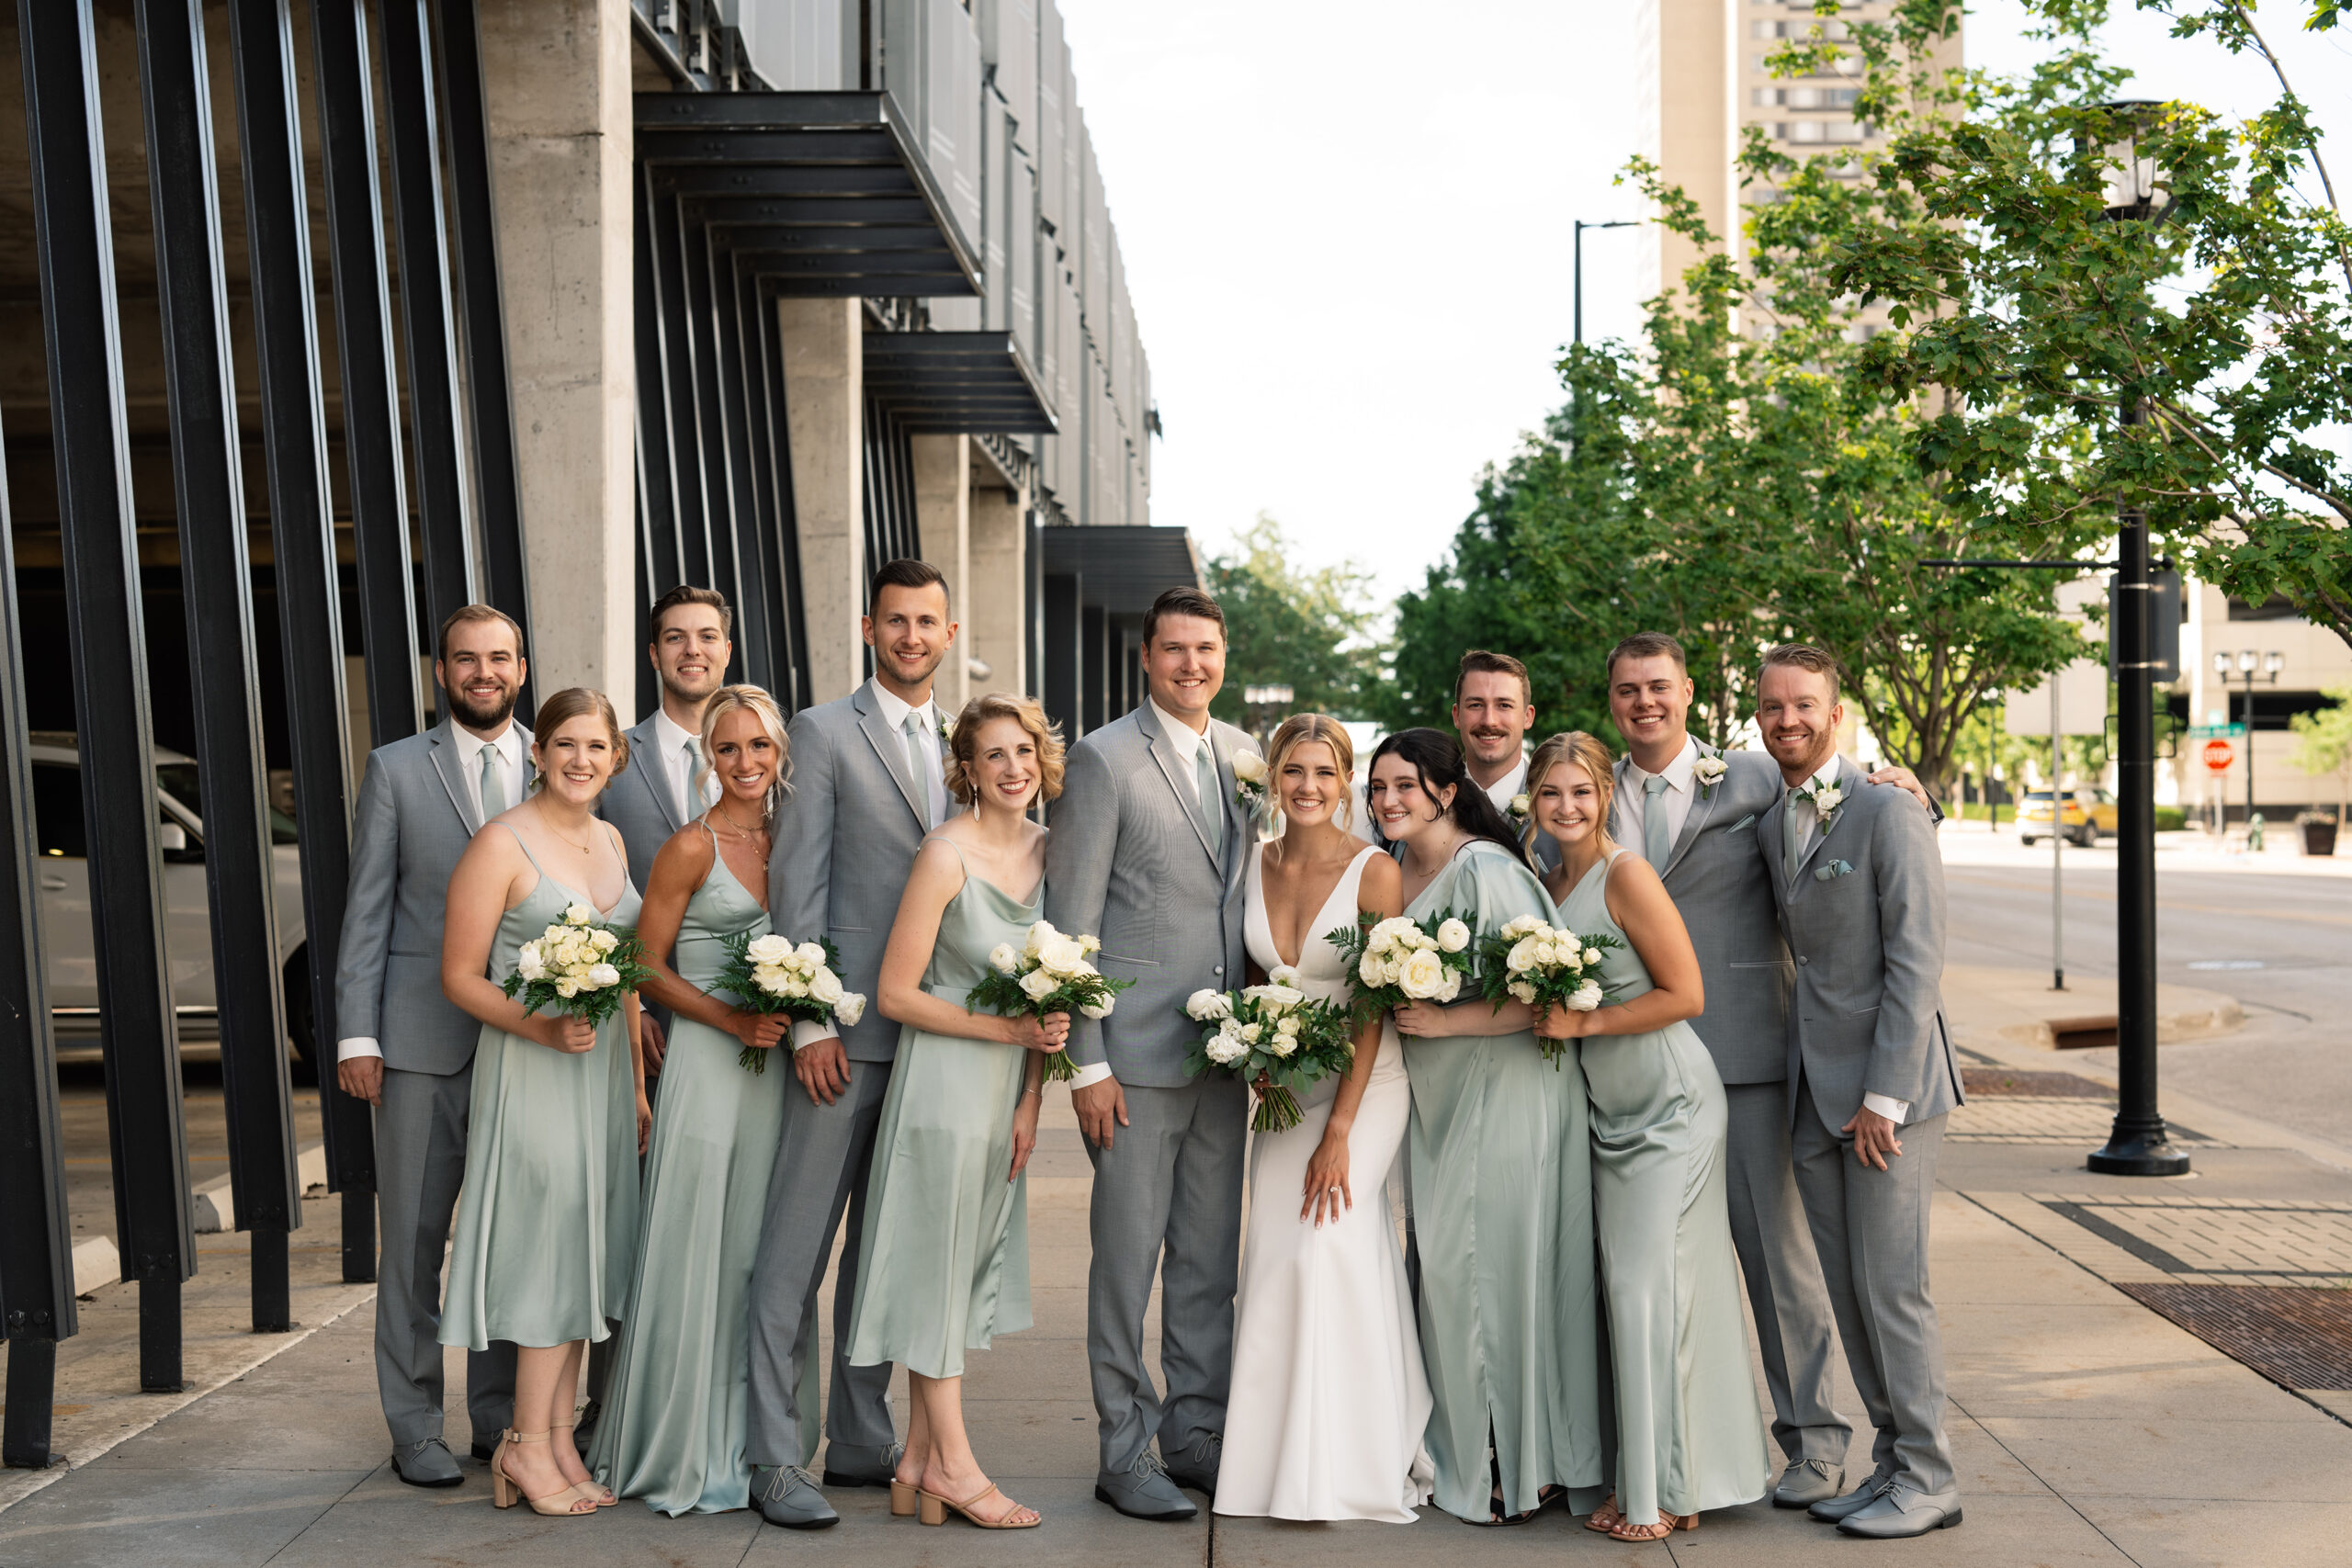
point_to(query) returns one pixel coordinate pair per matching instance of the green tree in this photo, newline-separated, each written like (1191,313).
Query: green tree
(2324,743)
(1315,631)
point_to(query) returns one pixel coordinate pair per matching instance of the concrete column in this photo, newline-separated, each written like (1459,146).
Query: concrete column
(943,466)
(995,627)
(824,416)
(557,79)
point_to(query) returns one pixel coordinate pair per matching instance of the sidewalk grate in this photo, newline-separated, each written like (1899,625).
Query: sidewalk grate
(2300,1338)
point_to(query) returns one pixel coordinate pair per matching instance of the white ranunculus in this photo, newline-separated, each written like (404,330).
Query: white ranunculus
(1039,934)
(1522,925)
(1099,1009)
(601,976)
(850,1009)
(1586,997)
(1524,954)
(1522,990)
(579,914)
(1038,984)
(1002,959)
(809,953)
(1451,988)
(1592,956)
(1285,974)
(1208,1006)
(825,987)
(528,964)
(1385,933)
(1453,936)
(1249,768)
(603,941)
(768,950)
(1423,974)
(1278,999)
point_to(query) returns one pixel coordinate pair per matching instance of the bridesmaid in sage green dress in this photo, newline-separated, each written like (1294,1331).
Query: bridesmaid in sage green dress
(546,1238)
(1501,1175)
(946,1239)
(1689,1434)
(673,1427)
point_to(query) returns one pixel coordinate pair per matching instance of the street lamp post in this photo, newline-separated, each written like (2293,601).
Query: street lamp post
(1258,699)
(2248,662)
(2137,1145)
(1580,227)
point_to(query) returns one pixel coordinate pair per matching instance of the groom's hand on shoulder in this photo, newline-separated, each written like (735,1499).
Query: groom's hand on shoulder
(1100,1105)
(822,1067)
(1906,779)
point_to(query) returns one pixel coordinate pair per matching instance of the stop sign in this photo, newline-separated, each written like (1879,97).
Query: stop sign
(2218,755)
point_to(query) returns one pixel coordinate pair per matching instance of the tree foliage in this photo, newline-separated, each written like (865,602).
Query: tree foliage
(1315,631)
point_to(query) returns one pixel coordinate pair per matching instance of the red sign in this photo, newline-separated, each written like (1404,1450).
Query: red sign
(2218,755)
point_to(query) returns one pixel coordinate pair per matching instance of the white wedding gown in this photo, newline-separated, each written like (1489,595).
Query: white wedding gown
(1330,1398)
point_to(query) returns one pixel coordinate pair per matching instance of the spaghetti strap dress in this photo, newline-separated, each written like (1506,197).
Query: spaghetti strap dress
(546,1240)
(1689,1434)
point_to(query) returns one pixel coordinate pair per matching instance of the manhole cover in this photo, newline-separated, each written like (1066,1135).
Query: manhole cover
(1981,1082)
(2294,1336)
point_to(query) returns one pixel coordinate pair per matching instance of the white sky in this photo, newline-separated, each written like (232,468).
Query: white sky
(1347,232)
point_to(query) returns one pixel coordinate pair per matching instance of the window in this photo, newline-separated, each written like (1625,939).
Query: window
(2275,608)
(1805,97)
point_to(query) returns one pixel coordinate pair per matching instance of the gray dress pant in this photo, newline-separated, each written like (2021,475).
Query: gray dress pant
(420,1165)
(1869,1228)
(1783,1276)
(820,1168)
(1167,1200)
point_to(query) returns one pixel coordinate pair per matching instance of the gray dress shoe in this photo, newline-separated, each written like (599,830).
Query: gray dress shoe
(1196,1467)
(853,1464)
(1902,1511)
(1142,1491)
(484,1448)
(1861,1497)
(427,1462)
(787,1496)
(1807,1481)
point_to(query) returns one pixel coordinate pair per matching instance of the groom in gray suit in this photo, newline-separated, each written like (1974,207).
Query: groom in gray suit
(408,1050)
(867,785)
(1148,854)
(1872,1079)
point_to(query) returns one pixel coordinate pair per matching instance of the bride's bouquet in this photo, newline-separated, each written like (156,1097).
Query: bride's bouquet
(1272,1037)
(772,974)
(577,965)
(1545,965)
(1396,961)
(1050,974)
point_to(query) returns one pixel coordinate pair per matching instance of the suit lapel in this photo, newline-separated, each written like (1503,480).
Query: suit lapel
(1703,806)
(1156,740)
(445,762)
(891,746)
(1236,824)
(657,777)
(1820,833)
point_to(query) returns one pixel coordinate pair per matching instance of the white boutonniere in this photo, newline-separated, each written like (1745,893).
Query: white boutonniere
(1709,771)
(1519,809)
(1248,780)
(946,729)
(1826,797)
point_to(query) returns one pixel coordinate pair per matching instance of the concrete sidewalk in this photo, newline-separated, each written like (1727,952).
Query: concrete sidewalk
(2089,1428)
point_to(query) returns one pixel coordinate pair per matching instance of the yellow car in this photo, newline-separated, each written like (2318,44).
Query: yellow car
(2089,813)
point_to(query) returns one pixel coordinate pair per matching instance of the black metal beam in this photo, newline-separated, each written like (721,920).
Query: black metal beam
(688,438)
(36,1238)
(308,597)
(703,335)
(657,475)
(72,235)
(216,578)
(443,502)
(755,542)
(371,409)
(481,306)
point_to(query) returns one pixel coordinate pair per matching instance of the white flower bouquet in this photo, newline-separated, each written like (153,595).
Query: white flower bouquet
(770,974)
(1050,974)
(1397,961)
(577,965)
(1533,961)
(1273,1039)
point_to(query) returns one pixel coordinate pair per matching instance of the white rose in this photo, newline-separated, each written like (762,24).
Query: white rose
(566,988)
(1286,1024)
(529,963)
(850,1009)
(1282,1044)
(1592,956)
(1370,970)
(1423,974)
(1522,990)
(1828,800)
(1039,934)
(1520,926)
(1090,943)
(1587,997)
(1710,769)
(603,941)
(1060,954)
(825,987)
(1002,959)
(809,953)
(603,975)
(1392,972)
(795,987)
(1252,1033)
(1249,768)
(579,914)
(1525,954)
(1098,1010)
(1037,984)
(768,950)
(1207,1005)
(1453,987)
(1278,999)
(1519,806)
(771,978)
(1387,932)
(1283,974)
(1453,936)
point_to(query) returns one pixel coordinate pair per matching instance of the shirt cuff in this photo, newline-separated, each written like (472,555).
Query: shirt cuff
(1092,1074)
(357,1046)
(1896,1111)
(806,1032)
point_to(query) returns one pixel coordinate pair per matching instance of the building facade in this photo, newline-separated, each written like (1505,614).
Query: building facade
(2293,665)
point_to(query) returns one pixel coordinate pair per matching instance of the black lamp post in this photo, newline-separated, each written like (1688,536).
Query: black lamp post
(2247,663)
(2137,1147)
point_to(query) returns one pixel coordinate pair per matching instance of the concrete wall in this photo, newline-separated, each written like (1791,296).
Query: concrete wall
(557,75)
(994,631)
(824,393)
(943,466)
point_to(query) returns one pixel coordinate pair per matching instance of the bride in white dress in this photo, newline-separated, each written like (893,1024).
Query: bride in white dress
(1330,1398)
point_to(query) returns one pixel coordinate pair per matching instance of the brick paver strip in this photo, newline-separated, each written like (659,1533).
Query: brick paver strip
(2298,1338)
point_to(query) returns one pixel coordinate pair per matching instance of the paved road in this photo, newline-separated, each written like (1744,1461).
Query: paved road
(2279,941)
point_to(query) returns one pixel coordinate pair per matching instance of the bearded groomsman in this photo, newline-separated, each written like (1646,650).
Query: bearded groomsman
(1494,706)
(868,785)
(1871,1079)
(407,1049)
(1147,853)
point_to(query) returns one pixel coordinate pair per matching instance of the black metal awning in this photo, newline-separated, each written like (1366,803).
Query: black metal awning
(957,383)
(1121,568)
(823,194)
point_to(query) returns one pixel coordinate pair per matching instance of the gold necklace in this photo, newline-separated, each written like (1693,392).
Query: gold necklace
(744,834)
(548,822)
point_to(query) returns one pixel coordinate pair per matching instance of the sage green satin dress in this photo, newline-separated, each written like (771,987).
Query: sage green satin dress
(1689,1434)
(946,1252)
(673,1429)
(546,1239)
(1503,1212)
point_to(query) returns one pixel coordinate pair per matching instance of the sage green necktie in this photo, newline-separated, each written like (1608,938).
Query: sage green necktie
(688,807)
(915,768)
(1790,837)
(1204,777)
(494,786)
(1655,845)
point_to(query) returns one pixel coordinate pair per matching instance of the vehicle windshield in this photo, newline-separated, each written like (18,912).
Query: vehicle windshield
(178,780)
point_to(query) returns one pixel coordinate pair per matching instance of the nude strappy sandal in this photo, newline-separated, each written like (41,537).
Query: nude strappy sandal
(902,1499)
(596,1491)
(936,1509)
(505,1491)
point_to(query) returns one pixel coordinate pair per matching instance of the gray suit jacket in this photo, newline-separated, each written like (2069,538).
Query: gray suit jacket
(638,802)
(1865,917)
(414,820)
(844,841)
(1724,893)
(1129,861)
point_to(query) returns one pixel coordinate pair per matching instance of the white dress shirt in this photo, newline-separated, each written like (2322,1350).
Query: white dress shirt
(1809,822)
(508,766)
(1680,775)
(681,755)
